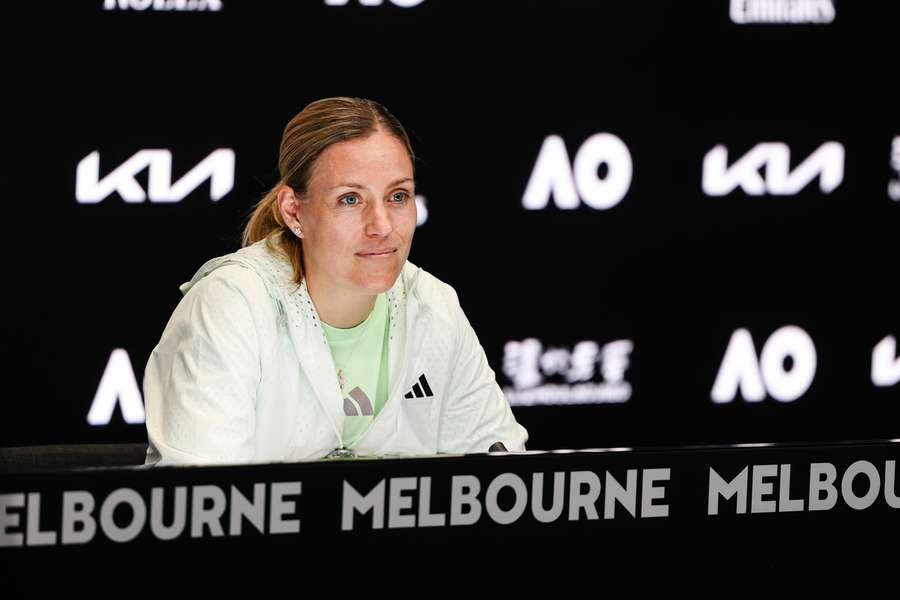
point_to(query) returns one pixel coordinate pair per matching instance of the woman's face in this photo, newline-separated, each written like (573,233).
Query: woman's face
(360,218)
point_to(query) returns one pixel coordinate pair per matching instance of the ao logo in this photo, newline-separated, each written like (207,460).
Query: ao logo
(894,184)
(740,368)
(400,3)
(117,385)
(218,167)
(421,210)
(886,363)
(554,175)
(827,163)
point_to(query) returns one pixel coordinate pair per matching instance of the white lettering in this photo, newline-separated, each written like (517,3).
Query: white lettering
(218,167)
(398,502)
(860,467)
(34,536)
(193,5)
(625,496)
(821,479)
(784,12)
(785,503)
(553,176)
(827,163)
(739,368)
(117,385)
(426,517)
(894,184)
(762,488)
(537,497)
(886,363)
(890,493)
(579,500)
(211,515)
(514,482)
(77,508)
(650,492)
(242,508)
(356,502)
(179,513)
(719,487)
(398,3)
(8,519)
(279,507)
(463,493)
(138,515)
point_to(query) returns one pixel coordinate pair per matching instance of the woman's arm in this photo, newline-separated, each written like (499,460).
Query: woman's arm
(201,379)
(476,414)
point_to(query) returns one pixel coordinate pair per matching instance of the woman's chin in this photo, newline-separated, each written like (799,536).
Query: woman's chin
(377,285)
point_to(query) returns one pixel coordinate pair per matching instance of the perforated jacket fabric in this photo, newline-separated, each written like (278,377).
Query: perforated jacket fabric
(243,373)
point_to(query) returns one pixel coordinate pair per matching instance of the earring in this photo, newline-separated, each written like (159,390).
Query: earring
(297,232)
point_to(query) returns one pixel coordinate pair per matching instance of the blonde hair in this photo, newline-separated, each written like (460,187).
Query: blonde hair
(309,133)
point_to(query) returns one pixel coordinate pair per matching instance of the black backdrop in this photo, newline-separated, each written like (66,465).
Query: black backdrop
(480,86)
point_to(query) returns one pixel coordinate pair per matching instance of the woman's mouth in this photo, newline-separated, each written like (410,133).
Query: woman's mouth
(376,254)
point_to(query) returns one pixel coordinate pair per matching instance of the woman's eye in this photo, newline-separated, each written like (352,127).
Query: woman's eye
(353,199)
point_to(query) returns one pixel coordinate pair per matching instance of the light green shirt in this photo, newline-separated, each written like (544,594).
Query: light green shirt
(361,356)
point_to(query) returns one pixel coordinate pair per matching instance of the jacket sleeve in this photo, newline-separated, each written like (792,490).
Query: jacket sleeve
(201,379)
(477,413)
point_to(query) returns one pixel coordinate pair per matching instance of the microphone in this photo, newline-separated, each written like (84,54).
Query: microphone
(497,447)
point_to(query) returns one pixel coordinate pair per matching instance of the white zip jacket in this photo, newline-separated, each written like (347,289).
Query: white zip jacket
(243,373)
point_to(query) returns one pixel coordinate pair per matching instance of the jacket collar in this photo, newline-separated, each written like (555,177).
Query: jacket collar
(296,309)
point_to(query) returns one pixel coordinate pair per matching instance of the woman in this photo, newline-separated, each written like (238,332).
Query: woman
(318,337)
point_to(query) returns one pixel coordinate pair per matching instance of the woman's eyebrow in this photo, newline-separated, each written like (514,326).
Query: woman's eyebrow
(360,186)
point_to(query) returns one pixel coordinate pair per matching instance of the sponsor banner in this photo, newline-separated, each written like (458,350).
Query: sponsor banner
(571,183)
(782,12)
(757,376)
(332,498)
(588,373)
(766,170)
(894,183)
(163,5)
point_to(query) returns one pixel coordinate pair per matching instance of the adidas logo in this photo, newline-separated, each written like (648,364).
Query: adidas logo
(357,404)
(421,389)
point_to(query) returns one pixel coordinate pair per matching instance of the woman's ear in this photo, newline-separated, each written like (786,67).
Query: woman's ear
(289,207)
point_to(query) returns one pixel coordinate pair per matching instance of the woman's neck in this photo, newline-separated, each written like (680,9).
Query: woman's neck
(340,309)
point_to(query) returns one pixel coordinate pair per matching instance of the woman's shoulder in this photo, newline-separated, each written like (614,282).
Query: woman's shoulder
(229,287)
(236,275)
(230,297)
(435,293)
(255,266)
(224,275)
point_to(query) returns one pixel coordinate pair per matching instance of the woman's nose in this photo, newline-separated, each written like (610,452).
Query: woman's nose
(379,222)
